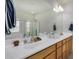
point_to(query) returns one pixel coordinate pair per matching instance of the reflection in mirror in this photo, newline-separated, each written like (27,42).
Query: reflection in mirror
(28,25)
(15,29)
(32,28)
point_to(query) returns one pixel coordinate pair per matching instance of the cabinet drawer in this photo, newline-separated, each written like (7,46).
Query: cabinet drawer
(43,53)
(51,56)
(68,39)
(59,44)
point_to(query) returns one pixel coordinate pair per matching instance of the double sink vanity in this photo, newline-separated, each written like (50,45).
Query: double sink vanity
(49,47)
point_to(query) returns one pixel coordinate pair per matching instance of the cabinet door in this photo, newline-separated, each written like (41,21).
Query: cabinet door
(60,57)
(42,54)
(51,56)
(59,53)
(64,55)
(59,44)
(69,46)
(64,47)
(64,51)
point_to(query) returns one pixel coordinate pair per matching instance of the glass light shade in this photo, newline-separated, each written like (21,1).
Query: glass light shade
(61,8)
(58,8)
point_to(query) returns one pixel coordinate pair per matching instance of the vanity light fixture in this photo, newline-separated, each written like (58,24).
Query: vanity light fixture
(61,8)
(58,8)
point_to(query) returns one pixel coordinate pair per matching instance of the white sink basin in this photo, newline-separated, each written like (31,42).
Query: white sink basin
(32,45)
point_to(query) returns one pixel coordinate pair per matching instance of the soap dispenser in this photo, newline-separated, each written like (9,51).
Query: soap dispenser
(54,27)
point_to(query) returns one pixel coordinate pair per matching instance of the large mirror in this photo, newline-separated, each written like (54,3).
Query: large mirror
(38,16)
(32,28)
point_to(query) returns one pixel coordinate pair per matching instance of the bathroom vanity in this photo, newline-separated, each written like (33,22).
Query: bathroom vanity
(59,50)
(47,20)
(47,48)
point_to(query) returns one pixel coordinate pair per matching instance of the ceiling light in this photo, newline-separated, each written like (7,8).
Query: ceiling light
(61,8)
(58,8)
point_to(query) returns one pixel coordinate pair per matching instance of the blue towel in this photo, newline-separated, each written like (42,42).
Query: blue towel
(71,27)
(10,18)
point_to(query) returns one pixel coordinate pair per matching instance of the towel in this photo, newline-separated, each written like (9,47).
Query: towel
(71,27)
(10,16)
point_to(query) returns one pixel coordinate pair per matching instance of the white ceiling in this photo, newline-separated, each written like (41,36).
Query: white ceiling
(37,6)
(34,6)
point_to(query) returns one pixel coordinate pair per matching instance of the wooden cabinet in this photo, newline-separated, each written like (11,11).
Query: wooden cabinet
(64,41)
(51,56)
(44,53)
(64,55)
(60,50)
(59,44)
(60,57)
(64,49)
(67,47)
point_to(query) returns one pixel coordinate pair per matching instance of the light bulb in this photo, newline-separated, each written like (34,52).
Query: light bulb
(61,8)
(58,8)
